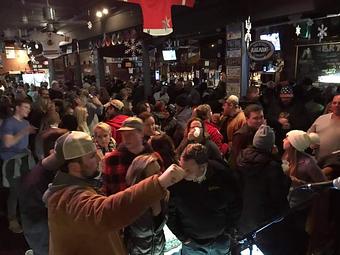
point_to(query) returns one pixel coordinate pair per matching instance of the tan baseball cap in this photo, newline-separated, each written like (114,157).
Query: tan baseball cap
(233,99)
(77,144)
(132,123)
(117,104)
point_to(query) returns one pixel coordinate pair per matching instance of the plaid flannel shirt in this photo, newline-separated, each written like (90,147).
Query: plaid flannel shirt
(116,164)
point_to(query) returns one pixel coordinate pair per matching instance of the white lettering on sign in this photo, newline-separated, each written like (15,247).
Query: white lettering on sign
(261,50)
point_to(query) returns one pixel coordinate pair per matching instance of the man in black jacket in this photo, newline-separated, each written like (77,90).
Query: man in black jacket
(286,113)
(206,205)
(265,189)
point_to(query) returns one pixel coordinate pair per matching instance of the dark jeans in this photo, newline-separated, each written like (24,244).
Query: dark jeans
(220,246)
(36,234)
(12,200)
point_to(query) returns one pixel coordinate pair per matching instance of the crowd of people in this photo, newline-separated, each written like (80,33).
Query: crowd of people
(103,170)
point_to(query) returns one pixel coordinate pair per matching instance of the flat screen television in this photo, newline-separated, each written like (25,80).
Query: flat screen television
(169,55)
(274,38)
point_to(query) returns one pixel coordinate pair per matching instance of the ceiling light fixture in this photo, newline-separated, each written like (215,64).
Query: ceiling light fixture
(333,15)
(25,19)
(99,14)
(105,11)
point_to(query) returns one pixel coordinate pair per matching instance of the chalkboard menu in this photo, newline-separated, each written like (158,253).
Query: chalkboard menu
(317,61)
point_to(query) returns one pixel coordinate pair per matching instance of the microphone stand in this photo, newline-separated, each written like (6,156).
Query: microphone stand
(249,239)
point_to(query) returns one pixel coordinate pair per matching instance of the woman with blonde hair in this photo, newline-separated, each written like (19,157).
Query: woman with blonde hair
(145,235)
(103,138)
(81,114)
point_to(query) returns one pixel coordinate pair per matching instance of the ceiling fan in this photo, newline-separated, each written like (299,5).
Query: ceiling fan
(52,24)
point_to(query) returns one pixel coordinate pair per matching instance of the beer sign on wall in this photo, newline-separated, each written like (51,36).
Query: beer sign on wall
(261,50)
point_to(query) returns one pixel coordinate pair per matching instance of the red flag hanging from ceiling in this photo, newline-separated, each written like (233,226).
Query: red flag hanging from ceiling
(157,20)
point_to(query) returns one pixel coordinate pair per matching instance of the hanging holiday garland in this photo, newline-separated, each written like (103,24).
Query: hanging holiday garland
(128,39)
(120,39)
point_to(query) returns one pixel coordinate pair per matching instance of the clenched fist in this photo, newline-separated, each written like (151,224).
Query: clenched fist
(171,175)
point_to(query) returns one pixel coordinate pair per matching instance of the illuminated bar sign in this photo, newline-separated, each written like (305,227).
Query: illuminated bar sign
(261,50)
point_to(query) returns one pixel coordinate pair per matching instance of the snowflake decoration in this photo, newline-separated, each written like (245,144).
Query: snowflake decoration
(89,25)
(247,37)
(29,50)
(134,47)
(168,44)
(298,30)
(32,58)
(322,32)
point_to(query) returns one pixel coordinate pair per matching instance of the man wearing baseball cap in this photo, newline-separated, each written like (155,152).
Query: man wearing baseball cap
(118,161)
(81,220)
(286,113)
(115,117)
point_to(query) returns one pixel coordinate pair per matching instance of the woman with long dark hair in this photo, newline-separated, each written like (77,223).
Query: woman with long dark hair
(195,133)
(300,166)
(311,207)
(145,236)
(164,146)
